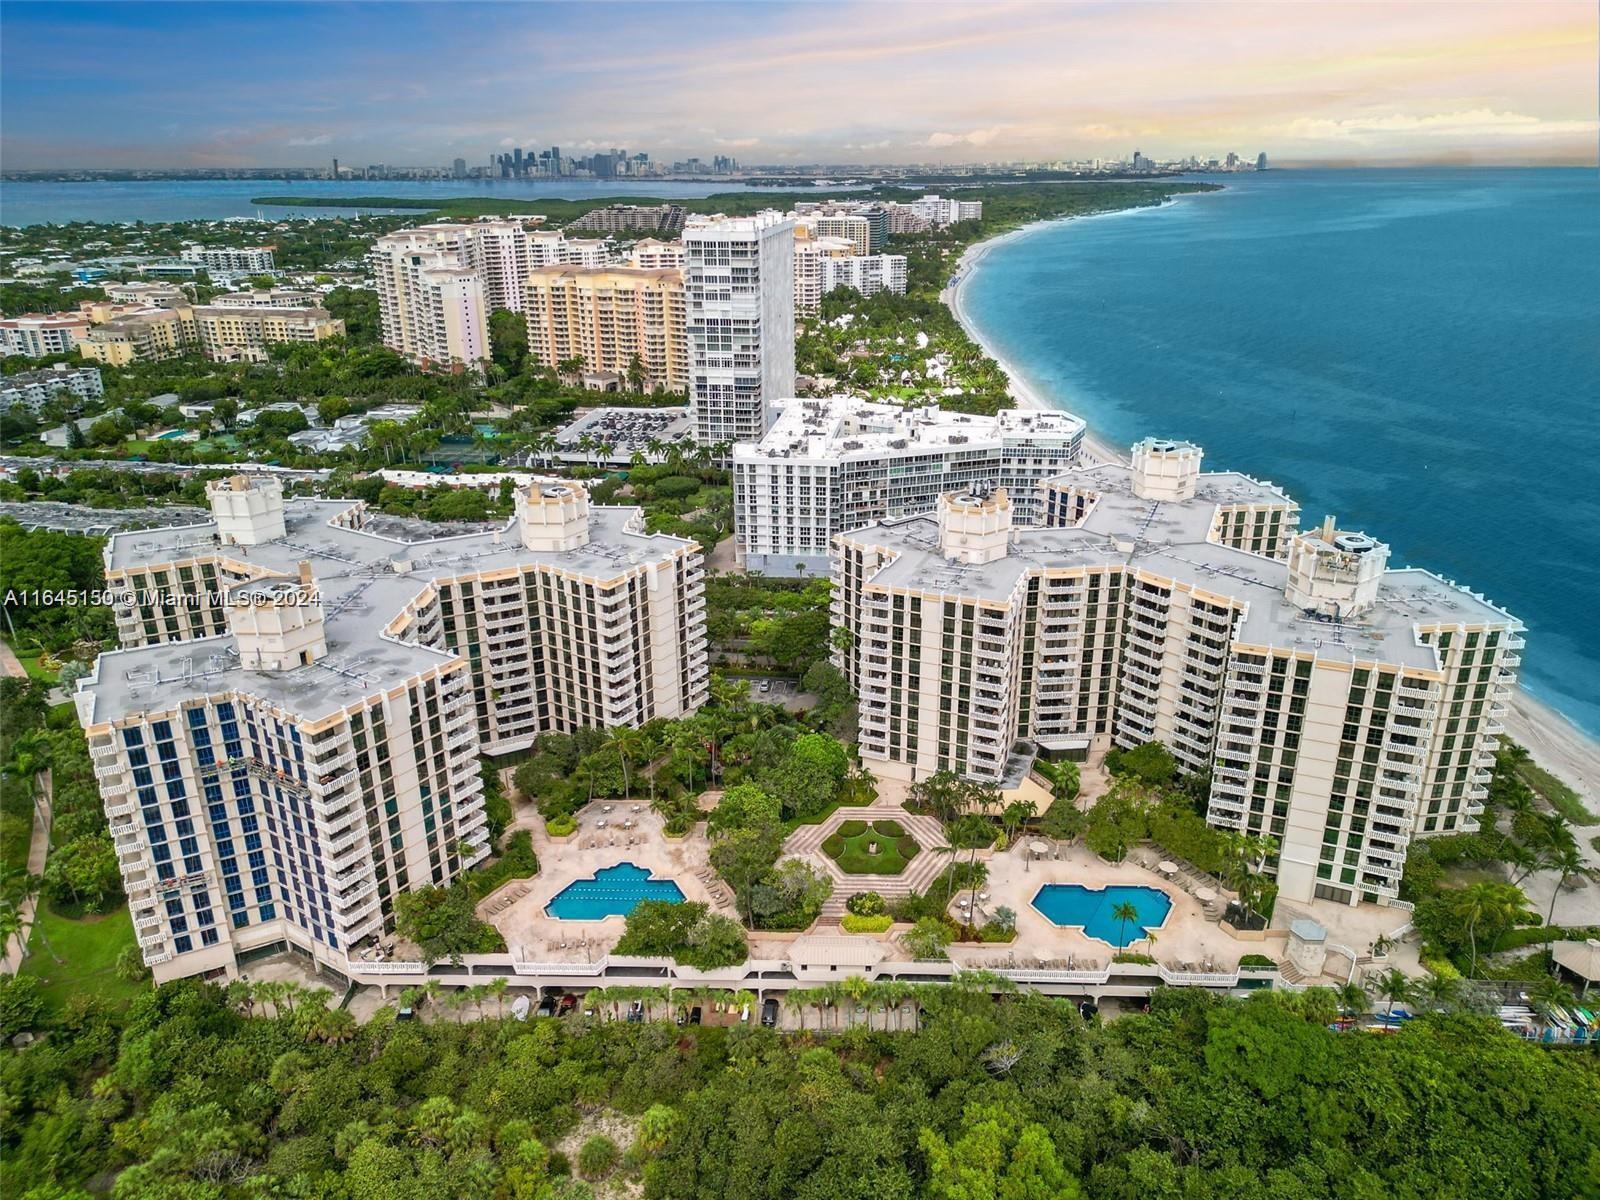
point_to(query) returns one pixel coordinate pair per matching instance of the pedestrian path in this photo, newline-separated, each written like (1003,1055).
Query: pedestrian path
(806,842)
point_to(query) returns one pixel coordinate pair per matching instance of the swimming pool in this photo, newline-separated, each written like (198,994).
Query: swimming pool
(1092,908)
(610,892)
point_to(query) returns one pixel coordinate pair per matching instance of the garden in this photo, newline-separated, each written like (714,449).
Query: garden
(881,848)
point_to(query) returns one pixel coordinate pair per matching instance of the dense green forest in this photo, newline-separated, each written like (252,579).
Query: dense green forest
(187,1095)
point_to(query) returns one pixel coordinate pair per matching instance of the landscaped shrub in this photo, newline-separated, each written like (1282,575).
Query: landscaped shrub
(852,828)
(833,844)
(1143,960)
(889,828)
(597,1157)
(851,923)
(1257,962)
(907,847)
(560,826)
(866,904)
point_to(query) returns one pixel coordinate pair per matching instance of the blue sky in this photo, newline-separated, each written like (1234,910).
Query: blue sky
(223,84)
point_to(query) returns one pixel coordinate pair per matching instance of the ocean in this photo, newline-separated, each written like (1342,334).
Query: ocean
(1415,351)
(34,203)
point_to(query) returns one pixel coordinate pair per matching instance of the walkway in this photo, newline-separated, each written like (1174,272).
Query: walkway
(38,849)
(806,842)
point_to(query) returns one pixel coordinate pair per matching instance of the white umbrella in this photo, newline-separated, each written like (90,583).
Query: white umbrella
(1038,847)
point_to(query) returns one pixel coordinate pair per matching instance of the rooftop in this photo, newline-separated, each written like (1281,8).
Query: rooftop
(366,576)
(1172,541)
(842,427)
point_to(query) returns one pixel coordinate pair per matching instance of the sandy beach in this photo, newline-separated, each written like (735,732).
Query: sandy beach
(1556,744)
(1022,391)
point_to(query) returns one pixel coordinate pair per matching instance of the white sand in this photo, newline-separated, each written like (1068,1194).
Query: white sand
(1556,744)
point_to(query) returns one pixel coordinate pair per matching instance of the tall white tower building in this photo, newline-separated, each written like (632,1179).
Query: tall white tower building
(739,276)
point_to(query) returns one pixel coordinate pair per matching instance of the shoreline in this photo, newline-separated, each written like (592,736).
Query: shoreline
(1022,389)
(1556,743)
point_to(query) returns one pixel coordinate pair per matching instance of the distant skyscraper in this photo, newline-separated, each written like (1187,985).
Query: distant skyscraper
(1261,161)
(335,174)
(740,282)
(459,168)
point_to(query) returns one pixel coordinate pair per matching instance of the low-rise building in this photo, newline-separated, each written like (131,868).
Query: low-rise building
(290,736)
(633,218)
(32,390)
(828,465)
(1338,706)
(222,334)
(267,298)
(652,254)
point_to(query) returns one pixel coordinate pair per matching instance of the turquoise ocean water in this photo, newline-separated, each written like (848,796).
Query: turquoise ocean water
(1417,352)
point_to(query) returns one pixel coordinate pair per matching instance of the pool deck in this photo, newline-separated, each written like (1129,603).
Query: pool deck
(533,936)
(1187,936)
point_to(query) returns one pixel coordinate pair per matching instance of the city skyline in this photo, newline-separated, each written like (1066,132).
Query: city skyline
(90,85)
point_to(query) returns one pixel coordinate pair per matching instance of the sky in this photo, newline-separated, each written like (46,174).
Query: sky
(220,84)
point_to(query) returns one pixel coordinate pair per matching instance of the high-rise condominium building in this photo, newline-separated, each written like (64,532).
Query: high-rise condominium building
(232,260)
(809,253)
(432,299)
(38,335)
(942,211)
(290,735)
(1338,706)
(830,465)
(868,274)
(616,319)
(740,278)
(854,228)
(654,255)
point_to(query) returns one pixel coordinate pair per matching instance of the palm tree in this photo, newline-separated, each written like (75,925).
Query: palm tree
(798,999)
(1439,992)
(1353,999)
(1497,905)
(1124,912)
(855,989)
(1566,861)
(627,742)
(1319,1005)
(1396,988)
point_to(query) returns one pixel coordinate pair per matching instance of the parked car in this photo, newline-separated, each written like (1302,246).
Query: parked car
(547,1007)
(566,1004)
(636,1013)
(766,685)
(769,1013)
(694,1015)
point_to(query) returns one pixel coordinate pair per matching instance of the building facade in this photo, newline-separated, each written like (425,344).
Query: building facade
(289,736)
(809,253)
(221,333)
(231,260)
(739,276)
(1338,706)
(39,335)
(830,465)
(867,274)
(431,301)
(30,391)
(616,319)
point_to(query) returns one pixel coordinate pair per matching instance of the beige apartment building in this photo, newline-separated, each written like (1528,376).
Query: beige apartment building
(611,318)
(290,735)
(432,301)
(809,251)
(221,333)
(1338,705)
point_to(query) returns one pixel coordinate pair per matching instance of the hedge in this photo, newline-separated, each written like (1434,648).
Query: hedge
(854,924)
(889,828)
(852,828)
(833,844)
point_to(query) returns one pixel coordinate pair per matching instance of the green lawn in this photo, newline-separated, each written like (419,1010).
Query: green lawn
(88,949)
(1557,794)
(852,845)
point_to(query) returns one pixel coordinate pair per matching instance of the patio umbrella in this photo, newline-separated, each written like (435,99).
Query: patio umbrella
(1205,895)
(1038,847)
(1168,868)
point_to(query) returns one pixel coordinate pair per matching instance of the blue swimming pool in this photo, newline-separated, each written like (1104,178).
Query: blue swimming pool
(1092,909)
(610,892)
